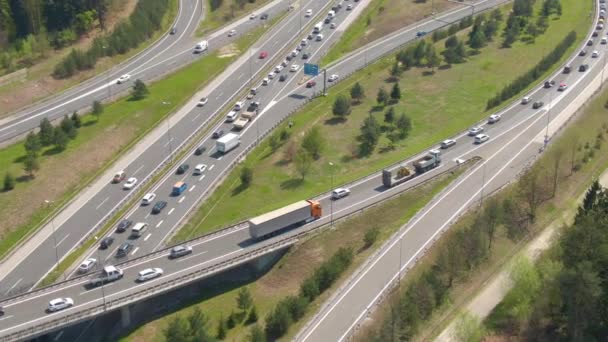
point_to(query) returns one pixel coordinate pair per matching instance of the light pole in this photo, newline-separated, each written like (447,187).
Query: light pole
(483,184)
(250,62)
(48,203)
(108,79)
(169,134)
(300,6)
(103,293)
(602,77)
(331,200)
(548,120)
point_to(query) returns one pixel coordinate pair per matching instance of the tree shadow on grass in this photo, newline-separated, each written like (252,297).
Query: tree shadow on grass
(89,123)
(428,73)
(335,120)
(282,162)
(292,183)
(20,159)
(376,108)
(24,178)
(242,187)
(52,151)
(445,67)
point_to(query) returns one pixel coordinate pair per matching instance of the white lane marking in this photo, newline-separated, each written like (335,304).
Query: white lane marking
(12,287)
(168,142)
(147,236)
(211,167)
(170,211)
(5,317)
(219,96)
(192,188)
(135,251)
(102,202)
(7,133)
(148,214)
(190,256)
(58,336)
(59,243)
(220,158)
(240,76)
(138,169)
(201,178)
(196,117)
(181,199)
(159,223)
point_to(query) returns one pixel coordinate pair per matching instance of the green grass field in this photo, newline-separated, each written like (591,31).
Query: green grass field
(439,105)
(227,12)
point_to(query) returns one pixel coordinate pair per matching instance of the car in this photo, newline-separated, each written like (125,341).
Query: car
(549,84)
(310,36)
(582,53)
(149,273)
(349,7)
(106,242)
(589,42)
(595,34)
(525,100)
(59,304)
(130,184)
(158,207)
(264,16)
(199,169)
(271,75)
(87,265)
(231,33)
(1,311)
(311,84)
(473,131)
(179,251)
(119,177)
(217,134)
(182,169)
(304,42)
(231,116)
(308,13)
(284,63)
(199,150)
(327,20)
(333,25)
(148,198)
(265,81)
(420,34)
(294,53)
(599,27)
(583,67)
(252,16)
(123,225)
(333,78)
(124,78)
(288,57)
(299,47)
(124,249)
(202,101)
(595,54)
(537,104)
(567,69)
(604,41)
(294,68)
(481,138)
(562,87)
(339,193)
(494,118)
(278,68)
(173,30)
(319,37)
(283,78)
(448,143)
(263,54)
(305,55)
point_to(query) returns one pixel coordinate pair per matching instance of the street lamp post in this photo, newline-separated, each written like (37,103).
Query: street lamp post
(331,201)
(548,120)
(169,137)
(103,293)
(48,203)
(108,79)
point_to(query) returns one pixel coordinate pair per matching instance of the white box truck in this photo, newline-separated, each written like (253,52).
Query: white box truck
(227,142)
(283,218)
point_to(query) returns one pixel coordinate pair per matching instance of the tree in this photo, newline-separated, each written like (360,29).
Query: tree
(491,218)
(231,321)
(256,334)
(432,58)
(451,42)
(395,71)
(139,90)
(461,51)
(198,325)
(382,96)
(221,329)
(30,164)
(253,315)
(303,162)
(178,330)
(370,134)
(314,142)
(341,106)
(477,38)
(404,125)
(532,29)
(396,92)
(296,305)
(420,52)
(277,322)
(97,109)
(76,120)
(46,132)
(60,139)
(370,237)
(244,300)
(9,182)
(290,152)
(389,115)
(274,142)
(489,29)
(469,328)
(67,125)
(450,261)
(246,176)
(32,144)
(497,15)
(357,93)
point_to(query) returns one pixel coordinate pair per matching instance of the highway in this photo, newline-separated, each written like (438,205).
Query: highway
(163,56)
(27,310)
(23,275)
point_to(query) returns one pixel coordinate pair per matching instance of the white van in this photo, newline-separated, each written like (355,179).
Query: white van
(139,229)
(231,116)
(200,47)
(318,27)
(238,106)
(319,37)
(331,14)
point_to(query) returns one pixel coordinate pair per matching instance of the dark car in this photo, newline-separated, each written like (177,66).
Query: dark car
(310,36)
(567,69)
(1,311)
(537,104)
(595,34)
(582,53)
(289,57)
(282,78)
(305,55)
(180,251)
(327,20)
(217,134)
(589,42)
(158,207)
(106,242)
(174,30)
(420,33)
(264,16)
(583,67)
(200,150)
(123,225)
(182,169)
(124,249)
(311,84)
(549,84)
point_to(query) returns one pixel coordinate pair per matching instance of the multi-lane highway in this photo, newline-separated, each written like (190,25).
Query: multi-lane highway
(165,55)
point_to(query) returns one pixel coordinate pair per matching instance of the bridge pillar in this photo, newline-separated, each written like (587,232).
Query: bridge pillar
(125,316)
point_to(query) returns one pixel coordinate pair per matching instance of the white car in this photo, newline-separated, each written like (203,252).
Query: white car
(525,100)
(232,115)
(294,68)
(494,118)
(319,37)
(481,138)
(148,198)
(595,54)
(475,130)
(332,78)
(231,33)
(149,273)
(448,143)
(308,13)
(58,304)
(339,193)
(294,53)
(130,183)
(284,63)
(304,42)
(252,16)
(87,265)
(332,25)
(349,7)
(124,78)
(203,101)
(199,169)
(265,81)
(299,47)
(271,75)
(562,86)
(278,68)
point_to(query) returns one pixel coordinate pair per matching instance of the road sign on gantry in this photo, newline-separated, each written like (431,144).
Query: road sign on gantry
(311,69)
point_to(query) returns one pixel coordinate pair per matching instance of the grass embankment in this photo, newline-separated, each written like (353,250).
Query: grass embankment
(39,83)
(227,11)
(439,105)
(380,18)
(97,146)
(287,275)
(575,146)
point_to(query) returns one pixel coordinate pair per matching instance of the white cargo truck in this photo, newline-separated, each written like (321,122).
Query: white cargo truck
(227,142)
(283,218)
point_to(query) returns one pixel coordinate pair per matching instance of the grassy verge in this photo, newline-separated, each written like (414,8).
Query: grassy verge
(457,96)
(40,84)
(227,12)
(285,277)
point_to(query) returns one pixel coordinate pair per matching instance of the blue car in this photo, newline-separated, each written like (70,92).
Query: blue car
(420,34)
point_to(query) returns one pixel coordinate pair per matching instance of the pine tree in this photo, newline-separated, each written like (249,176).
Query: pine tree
(140,90)
(9,182)
(396,92)
(46,132)
(60,139)
(389,115)
(382,96)
(404,125)
(357,93)
(76,120)
(341,106)
(253,315)
(221,329)
(97,109)
(32,144)
(244,300)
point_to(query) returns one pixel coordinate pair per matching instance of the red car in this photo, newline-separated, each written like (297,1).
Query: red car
(263,54)
(310,84)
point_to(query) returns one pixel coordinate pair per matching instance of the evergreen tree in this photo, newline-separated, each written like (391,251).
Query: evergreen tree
(253,315)
(140,90)
(389,115)
(341,106)
(404,125)
(451,42)
(396,92)
(76,120)
(178,330)
(382,97)
(30,164)
(246,176)
(490,29)
(221,329)
(356,92)
(9,182)
(60,139)
(256,334)
(244,300)
(67,125)
(395,71)
(46,132)
(477,39)
(370,134)
(277,322)
(231,321)
(32,144)
(432,58)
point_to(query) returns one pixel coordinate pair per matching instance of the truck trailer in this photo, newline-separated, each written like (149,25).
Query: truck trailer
(404,173)
(284,218)
(240,123)
(227,142)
